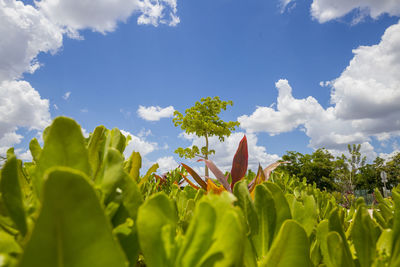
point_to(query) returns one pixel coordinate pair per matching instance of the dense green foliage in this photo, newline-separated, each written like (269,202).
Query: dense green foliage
(81,203)
(344,174)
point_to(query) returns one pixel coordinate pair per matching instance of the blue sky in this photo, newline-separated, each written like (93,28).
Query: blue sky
(99,62)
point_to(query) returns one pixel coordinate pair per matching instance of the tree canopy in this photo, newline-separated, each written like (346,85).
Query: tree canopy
(203,120)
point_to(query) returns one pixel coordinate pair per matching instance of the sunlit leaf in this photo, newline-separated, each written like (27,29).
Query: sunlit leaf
(290,248)
(71,229)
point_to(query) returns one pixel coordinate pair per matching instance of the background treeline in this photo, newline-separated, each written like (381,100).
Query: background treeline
(346,174)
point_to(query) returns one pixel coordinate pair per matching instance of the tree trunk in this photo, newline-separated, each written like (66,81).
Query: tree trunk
(206,157)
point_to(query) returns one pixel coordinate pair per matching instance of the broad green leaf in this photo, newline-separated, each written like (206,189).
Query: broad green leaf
(281,205)
(63,146)
(129,240)
(199,237)
(266,213)
(337,252)
(131,197)
(96,148)
(364,236)
(395,260)
(290,247)
(322,234)
(113,172)
(117,140)
(156,224)
(229,232)
(148,174)
(336,225)
(305,213)
(8,244)
(246,204)
(384,245)
(71,229)
(35,149)
(134,165)
(11,194)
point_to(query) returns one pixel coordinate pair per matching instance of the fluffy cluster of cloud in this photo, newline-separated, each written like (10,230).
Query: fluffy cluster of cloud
(326,10)
(153,113)
(20,106)
(224,151)
(365,102)
(29,30)
(104,15)
(139,144)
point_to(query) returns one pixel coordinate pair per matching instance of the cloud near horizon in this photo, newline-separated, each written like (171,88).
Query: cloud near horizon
(364,102)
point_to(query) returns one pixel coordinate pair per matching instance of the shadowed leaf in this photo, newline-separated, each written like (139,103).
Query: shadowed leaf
(11,194)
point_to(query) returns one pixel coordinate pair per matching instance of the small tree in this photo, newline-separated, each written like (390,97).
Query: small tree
(202,120)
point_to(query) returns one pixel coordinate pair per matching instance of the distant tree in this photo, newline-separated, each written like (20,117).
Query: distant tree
(202,120)
(316,167)
(355,161)
(392,169)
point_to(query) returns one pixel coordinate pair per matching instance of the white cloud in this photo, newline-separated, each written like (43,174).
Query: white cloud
(225,151)
(321,125)
(325,10)
(66,95)
(25,33)
(153,113)
(289,115)
(144,133)
(364,102)
(369,88)
(287,5)
(104,15)
(166,164)
(20,106)
(389,156)
(139,144)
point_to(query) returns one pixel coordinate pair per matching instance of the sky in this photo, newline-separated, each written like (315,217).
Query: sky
(302,75)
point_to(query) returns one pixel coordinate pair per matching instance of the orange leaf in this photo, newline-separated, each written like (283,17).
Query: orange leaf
(211,187)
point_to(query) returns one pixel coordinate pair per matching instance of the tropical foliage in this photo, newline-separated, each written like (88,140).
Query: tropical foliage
(81,203)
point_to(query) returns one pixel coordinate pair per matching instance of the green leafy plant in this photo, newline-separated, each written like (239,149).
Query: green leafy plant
(202,120)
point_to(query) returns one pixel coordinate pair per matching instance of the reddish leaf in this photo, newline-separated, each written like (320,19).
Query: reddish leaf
(190,182)
(195,176)
(259,179)
(240,161)
(271,167)
(160,178)
(218,174)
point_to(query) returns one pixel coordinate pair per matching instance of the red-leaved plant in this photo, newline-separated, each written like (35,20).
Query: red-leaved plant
(238,172)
